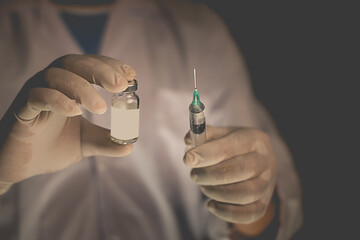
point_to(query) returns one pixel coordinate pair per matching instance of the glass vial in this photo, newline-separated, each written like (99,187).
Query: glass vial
(125,115)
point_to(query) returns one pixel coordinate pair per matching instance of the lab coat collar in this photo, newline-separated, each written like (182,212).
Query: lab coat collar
(56,32)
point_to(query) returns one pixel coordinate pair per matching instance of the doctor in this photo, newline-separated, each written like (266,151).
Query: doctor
(58,175)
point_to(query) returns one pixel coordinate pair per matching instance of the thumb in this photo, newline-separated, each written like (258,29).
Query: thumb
(96,140)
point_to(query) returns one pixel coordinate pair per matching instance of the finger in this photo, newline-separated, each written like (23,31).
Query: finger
(96,141)
(75,87)
(213,152)
(125,69)
(94,71)
(212,133)
(239,193)
(45,99)
(243,214)
(187,138)
(239,168)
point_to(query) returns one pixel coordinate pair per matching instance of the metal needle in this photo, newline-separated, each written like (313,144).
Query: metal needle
(195,79)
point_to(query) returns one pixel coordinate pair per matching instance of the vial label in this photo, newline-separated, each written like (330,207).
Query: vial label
(124,123)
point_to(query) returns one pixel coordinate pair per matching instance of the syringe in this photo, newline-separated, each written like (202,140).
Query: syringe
(197,118)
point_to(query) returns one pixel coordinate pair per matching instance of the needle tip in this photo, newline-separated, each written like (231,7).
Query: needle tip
(195,78)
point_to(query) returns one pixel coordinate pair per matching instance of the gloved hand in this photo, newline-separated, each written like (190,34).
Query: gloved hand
(43,130)
(237,169)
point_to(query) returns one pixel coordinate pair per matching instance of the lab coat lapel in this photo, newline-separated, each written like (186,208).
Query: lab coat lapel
(55,31)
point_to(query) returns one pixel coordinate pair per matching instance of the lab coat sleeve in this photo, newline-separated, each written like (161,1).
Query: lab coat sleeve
(231,102)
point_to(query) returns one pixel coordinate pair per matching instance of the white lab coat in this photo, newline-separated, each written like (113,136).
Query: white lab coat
(148,194)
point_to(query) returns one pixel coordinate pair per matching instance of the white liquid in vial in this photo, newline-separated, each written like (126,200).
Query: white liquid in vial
(124,123)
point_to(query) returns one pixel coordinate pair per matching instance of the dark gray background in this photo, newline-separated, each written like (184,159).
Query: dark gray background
(303,60)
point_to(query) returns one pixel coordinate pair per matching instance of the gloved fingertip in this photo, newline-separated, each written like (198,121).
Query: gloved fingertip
(101,107)
(190,160)
(76,110)
(129,71)
(115,150)
(117,83)
(194,177)
(102,111)
(211,206)
(129,148)
(187,138)
(120,83)
(126,149)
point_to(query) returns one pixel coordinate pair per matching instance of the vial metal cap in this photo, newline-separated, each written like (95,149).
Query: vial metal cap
(132,86)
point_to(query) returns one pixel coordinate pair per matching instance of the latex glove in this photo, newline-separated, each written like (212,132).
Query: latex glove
(43,130)
(236,168)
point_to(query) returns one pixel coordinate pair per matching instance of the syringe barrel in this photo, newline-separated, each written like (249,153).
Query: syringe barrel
(197,139)
(197,124)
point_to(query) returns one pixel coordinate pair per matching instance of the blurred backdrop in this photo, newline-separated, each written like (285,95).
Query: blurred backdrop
(303,63)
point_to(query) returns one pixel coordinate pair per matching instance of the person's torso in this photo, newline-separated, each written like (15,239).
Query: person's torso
(146,195)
